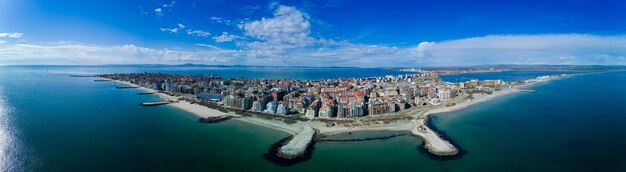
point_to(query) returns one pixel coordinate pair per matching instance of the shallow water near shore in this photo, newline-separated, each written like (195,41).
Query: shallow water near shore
(51,122)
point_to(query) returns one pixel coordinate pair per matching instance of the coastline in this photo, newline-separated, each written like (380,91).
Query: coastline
(195,109)
(203,111)
(406,125)
(200,111)
(416,124)
(434,142)
(478,98)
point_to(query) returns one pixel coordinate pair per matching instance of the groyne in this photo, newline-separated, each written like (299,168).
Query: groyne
(154,103)
(434,143)
(214,119)
(298,145)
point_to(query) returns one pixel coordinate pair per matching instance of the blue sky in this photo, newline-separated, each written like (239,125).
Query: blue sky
(313,33)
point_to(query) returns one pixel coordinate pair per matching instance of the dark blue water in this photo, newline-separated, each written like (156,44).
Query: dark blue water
(573,124)
(51,122)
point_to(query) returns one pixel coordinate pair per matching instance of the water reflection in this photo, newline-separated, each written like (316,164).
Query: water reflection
(6,137)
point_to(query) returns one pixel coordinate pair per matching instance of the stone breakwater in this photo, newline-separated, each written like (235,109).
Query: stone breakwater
(214,119)
(434,143)
(298,145)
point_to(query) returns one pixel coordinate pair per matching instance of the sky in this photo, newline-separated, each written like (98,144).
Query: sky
(363,33)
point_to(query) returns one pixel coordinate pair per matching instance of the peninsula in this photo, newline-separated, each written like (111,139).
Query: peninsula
(313,108)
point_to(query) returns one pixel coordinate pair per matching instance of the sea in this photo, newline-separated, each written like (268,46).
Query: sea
(52,122)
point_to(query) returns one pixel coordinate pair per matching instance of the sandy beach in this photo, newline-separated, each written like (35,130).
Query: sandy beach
(434,143)
(321,127)
(405,125)
(478,98)
(417,124)
(195,109)
(203,111)
(273,124)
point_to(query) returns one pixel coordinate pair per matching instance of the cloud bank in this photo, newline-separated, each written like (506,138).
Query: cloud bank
(526,49)
(285,39)
(495,49)
(11,35)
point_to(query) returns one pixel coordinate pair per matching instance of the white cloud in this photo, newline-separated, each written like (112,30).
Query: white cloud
(175,29)
(221,20)
(11,35)
(420,50)
(225,37)
(198,33)
(288,28)
(216,19)
(170,30)
(209,46)
(159,10)
(78,53)
(180,27)
(533,49)
(285,39)
(171,4)
(497,49)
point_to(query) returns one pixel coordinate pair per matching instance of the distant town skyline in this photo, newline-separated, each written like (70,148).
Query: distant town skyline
(313,33)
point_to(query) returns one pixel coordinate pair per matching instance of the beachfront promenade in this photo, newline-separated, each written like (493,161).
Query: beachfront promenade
(297,146)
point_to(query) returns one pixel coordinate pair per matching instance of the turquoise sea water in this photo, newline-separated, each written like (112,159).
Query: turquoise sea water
(52,122)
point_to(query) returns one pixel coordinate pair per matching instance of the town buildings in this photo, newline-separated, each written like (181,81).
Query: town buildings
(330,98)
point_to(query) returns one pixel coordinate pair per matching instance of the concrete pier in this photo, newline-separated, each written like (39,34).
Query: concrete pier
(297,146)
(433,142)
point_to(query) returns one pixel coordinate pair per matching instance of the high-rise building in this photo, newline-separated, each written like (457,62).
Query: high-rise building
(257,106)
(392,107)
(282,109)
(246,103)
(341,111)
(271,107)
(313,109)
(356,110)
(377,108)
(209,97)
(327,111)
